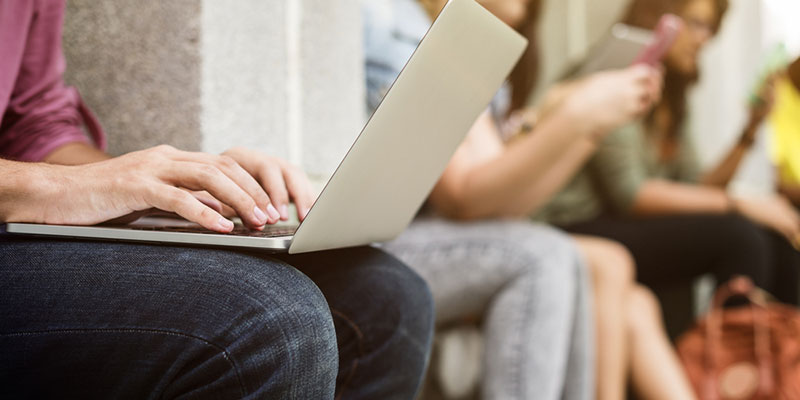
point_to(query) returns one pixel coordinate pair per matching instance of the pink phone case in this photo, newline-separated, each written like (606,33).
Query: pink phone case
(666,32)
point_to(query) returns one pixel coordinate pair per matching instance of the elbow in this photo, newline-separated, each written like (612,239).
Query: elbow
(457,203)
(451,201)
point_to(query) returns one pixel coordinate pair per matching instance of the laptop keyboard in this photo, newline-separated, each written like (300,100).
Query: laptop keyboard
(238,230)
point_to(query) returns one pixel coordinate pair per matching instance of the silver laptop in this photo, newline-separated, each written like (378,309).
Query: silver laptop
(396,160)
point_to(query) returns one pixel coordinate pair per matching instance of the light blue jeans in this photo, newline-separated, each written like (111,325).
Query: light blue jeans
(529,284)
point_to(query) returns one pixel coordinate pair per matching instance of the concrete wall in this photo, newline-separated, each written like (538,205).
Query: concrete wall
(137,65)
(275,75)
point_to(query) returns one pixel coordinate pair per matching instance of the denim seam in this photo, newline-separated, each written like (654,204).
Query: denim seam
(361,350)
(222,349)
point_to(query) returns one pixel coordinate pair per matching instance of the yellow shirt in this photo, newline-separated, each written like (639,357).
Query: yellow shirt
(785,120)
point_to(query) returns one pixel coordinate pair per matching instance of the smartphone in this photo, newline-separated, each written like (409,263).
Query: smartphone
(626,45)
(664,36)
(776,59)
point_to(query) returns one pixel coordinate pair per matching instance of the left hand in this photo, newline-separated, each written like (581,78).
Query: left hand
(281,180)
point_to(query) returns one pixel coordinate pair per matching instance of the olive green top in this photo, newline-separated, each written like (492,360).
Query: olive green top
(610,181)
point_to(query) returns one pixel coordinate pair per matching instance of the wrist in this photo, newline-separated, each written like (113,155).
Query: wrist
(579,117)
(747,141)
(28,192)
(16,190)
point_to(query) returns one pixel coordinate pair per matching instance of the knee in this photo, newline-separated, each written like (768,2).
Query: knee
(545,250)
(301,324)
(404,302)
(739,233)
(279,327)
(611,265)
(643,309)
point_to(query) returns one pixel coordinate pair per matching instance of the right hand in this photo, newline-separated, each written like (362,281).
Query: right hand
(608,100)
(160,177)
(774,212)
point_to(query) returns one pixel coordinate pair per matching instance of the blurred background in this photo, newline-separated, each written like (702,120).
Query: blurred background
(730,66)
(171,72)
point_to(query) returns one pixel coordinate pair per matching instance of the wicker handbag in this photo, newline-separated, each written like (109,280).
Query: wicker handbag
(748,352)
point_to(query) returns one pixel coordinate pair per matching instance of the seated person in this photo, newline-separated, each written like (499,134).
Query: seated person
(785,119)
(112,320)
(528,282)
(644,187)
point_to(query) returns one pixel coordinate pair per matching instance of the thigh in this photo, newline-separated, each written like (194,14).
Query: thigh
(468,263)
(677,249)
(133,321)
(524,280)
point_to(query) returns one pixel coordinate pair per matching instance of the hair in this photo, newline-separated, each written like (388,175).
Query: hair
(794,73)
(646,14)
(524,76)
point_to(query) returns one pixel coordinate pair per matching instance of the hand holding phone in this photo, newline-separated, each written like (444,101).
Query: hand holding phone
(665,34)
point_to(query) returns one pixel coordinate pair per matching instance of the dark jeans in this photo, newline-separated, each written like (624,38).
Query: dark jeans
(674,250)
(104,320)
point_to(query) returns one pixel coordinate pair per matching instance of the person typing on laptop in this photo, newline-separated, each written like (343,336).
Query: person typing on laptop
(96,319)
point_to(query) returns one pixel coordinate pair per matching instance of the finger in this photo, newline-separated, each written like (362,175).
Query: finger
(271,178)
(199,176)
(227,212)
(127,219)
(299,190)
(789,230)
(208,200)
(234,171)
(643,73)
(172,199)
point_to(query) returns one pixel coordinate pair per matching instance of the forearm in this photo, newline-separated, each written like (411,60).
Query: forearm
(75,154)
(723,173)
(505,185)
(791,191)
(557,176)
(658,197)
(20,189)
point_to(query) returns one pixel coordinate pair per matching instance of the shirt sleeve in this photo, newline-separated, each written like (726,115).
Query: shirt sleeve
(618,169)
(392,31)
(42,113)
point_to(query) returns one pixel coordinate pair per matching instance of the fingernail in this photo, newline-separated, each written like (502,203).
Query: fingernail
(225,224)
(260,216)
(284,212)
(273,213)
(303,213)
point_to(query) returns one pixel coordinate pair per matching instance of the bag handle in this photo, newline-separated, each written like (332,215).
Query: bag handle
(739,286)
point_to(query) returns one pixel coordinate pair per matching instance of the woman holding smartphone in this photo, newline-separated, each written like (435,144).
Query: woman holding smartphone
(645,189)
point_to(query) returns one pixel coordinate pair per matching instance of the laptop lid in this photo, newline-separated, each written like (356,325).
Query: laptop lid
(404,148)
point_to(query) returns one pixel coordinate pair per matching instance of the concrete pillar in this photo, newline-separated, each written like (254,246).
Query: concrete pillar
(281,76)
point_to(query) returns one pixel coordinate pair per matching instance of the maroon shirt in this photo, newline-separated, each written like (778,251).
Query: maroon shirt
(40,113)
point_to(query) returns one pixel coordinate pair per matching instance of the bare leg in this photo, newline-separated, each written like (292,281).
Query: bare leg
(612,272)
(655,369)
